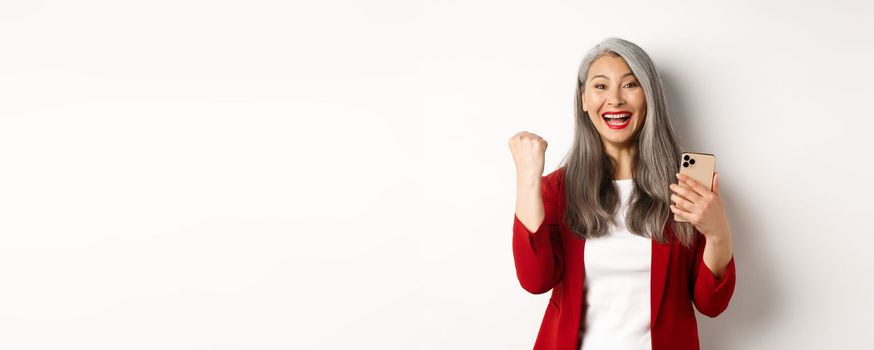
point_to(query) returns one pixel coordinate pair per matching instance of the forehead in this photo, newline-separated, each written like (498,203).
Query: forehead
(609,67)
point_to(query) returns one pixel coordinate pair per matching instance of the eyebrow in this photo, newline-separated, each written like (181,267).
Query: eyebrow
(605,77)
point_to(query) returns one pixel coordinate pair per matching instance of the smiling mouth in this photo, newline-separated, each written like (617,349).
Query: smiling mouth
(617,120)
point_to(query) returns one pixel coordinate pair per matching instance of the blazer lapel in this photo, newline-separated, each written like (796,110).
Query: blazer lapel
(661,260)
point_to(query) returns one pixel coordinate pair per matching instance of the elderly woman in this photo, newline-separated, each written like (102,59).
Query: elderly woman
(600,232)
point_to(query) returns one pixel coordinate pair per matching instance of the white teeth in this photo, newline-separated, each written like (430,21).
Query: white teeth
(614,116)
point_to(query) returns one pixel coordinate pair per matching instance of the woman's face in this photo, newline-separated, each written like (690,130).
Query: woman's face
(612,90)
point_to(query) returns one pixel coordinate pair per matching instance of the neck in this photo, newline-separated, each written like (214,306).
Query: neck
(623,158)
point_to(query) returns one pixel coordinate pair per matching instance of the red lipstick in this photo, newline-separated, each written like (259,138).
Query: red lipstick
(610,121)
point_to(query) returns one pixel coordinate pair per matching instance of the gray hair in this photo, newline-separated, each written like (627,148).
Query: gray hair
(590,194)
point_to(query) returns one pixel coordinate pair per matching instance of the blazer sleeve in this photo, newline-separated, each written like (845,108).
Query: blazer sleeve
(711,295)
(537,254)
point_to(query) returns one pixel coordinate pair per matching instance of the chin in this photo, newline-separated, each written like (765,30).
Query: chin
(619,140)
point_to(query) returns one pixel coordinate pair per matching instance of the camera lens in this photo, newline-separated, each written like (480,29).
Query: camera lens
(686,157)
(685,164)
(692,161)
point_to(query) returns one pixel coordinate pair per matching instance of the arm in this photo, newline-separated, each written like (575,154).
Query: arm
(717,254)
(536,248)
(712,288)
(713,271)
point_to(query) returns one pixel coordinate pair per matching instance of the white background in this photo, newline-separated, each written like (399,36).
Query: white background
(335,175)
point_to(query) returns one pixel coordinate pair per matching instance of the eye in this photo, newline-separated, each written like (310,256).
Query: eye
(632,84)
(599,86)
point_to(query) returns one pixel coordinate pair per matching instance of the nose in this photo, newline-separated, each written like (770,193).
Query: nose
(615,100)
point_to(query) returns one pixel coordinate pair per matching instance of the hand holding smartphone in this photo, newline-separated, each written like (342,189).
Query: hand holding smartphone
(699,166)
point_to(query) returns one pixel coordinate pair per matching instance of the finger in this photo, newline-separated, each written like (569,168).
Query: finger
(686,193)
(681,213)
(682,203)
(693,184)
(716,183)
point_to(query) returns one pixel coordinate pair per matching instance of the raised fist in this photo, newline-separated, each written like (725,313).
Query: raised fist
(528,151)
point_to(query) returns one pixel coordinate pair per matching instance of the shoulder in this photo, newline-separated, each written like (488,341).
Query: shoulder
(555,174)
(553,182)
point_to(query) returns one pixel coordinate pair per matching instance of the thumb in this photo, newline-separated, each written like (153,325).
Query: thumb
(716,183)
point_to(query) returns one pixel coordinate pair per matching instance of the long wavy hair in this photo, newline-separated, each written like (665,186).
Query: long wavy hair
(590,194)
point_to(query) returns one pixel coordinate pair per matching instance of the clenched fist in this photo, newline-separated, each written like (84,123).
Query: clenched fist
(528,153)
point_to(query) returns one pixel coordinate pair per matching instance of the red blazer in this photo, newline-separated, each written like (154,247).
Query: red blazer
(552,258)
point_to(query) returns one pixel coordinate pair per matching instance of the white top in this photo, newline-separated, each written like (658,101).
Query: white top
(617,284)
